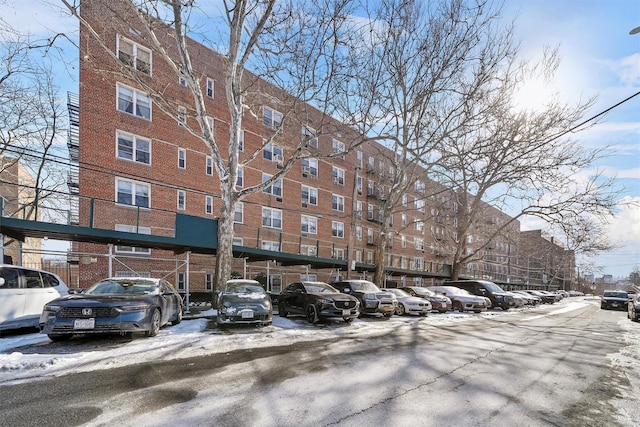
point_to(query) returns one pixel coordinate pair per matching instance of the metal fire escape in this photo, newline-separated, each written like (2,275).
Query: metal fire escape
(73,144)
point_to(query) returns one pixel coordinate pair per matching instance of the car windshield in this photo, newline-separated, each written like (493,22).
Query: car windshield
(424,292)
(129,286)
(243,288)
(364,286)
(319,288)
(398,292)
(616,294)
(492,287)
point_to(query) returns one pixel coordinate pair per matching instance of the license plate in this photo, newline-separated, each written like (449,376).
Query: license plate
(346,312)
(84,323)
(247,314)
(387,308)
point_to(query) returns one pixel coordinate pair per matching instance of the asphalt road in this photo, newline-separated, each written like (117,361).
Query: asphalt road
(526,369)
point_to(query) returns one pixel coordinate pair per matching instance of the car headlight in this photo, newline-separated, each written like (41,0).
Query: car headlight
(52,307)
(325,301)
(138,307)
(499,297)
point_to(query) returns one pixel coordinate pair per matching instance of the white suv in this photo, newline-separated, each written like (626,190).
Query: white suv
(23,293)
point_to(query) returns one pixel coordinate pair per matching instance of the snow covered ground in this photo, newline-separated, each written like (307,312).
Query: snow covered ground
(27,356)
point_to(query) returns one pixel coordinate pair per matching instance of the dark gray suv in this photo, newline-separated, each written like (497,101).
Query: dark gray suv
(484,288)
(372,299)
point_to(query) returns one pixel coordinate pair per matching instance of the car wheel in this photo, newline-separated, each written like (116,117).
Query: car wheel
(442,311)
(282,312)
(155,323)
(59,337)
(458,306)
(400,311)
(312,313)
(424,314)
(178,318)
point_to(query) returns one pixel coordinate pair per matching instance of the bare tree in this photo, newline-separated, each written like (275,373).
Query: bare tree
(292,49)
(32,122)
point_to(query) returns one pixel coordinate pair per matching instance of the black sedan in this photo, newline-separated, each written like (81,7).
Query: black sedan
(114,305)
(614,300)
(317,300)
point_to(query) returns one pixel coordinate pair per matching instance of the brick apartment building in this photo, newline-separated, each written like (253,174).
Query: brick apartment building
(140,164)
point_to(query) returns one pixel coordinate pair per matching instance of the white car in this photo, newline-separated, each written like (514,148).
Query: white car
(408,304)
(463,300)
(23,294)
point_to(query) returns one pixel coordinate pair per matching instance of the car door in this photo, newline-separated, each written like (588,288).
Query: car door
(12,296)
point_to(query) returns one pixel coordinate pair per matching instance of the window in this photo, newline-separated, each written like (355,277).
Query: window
(359,209)
(309,224)
(358,233)
(403,241)
(275,189)
(419,186)
(182,158)
(418,263)
(134,55)
(208,205)
(238,241)
(338,175)
(419,243)
(371,165)
(419,204)
(241,142)
(359,159)
(271,117)
(132,229)
(182,116)
(404,220)
(208,281)
(337,202)
(238,216)
(309,195)
(211,124)
(337,229)
(133,193)
(404,200)
(358,256)
(240,180)
(309,135)
(180,281)
(272,152)
(182,81)
(134,148)
(210,88)
(369,257)
(271,218)
(182,196)
(310,167)
(133,102)
(419,226)
(359,184)
(337,147)
(270,246)
(455,222)
(337,253)
(209,165)
(309,250)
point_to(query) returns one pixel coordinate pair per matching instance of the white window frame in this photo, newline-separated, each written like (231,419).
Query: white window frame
(337,229)
(210,88)
(181,200)
(311,165)
(271,218)
(272,152)
(182,116)
(275,189)
(310,136)
(270,245)
(135,186)
(209,165)
(240,179)
(132,229)
(208,205)
(136,49)
(271,117)
(311,195)
(138,151)
(337,147)
(337,175)
(337,202)
(182,158)
(238,214)
(137,98)
(308,224)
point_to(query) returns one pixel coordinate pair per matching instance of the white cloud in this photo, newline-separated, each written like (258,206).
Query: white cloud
(625,226)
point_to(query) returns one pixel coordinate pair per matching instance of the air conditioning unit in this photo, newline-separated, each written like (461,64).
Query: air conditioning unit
(278,159)
(305,170)
(336,180)
(304,205)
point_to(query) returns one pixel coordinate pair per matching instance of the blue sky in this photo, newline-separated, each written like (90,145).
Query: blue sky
(599,58)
